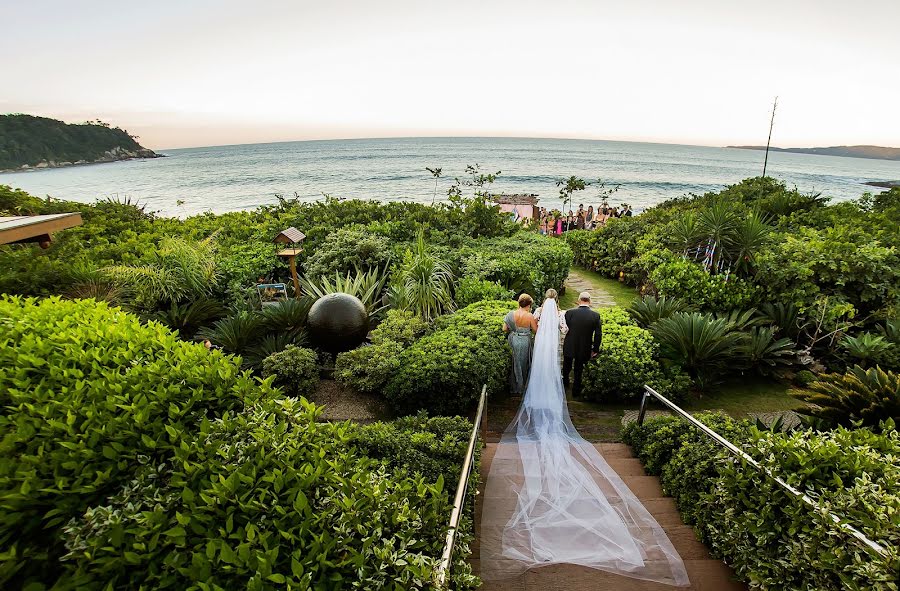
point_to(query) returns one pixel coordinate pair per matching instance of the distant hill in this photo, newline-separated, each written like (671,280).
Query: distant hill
(28,142)
(876,152)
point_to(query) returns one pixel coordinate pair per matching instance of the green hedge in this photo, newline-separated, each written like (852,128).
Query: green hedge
(296,370)
(628,359)
(89,395)
(444,371)
(267,499)
(772,540)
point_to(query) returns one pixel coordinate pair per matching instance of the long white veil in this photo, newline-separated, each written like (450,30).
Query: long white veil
(551,498)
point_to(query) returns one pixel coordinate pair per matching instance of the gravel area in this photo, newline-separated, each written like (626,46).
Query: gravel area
(342,403)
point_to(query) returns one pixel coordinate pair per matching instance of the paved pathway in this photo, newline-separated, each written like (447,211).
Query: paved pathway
(705,573)
(577,283)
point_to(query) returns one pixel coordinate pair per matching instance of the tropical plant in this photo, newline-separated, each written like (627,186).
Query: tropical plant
(766,353)
(865,347)
(367,286)
(296,370)
(701,345)
(270,344)
(784,317)
(751,234)
(740,320)
(685,233)
(424,284)
(179,269)
(717,222)
(188,318)
(236,333)
(859,397)
(649,309)
(287,316)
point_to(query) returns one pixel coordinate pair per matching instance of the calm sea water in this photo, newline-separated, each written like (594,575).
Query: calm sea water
(226,178)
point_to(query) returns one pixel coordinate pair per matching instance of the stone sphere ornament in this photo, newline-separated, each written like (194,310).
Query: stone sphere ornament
(338,322)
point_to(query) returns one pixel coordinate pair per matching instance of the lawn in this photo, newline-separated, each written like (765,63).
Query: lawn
(617,291)
(742,396)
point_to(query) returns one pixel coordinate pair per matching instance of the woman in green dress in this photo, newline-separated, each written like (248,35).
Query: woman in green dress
(520,325)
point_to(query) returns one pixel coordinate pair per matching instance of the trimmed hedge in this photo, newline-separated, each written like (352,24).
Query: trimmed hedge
(628,359)
(772,540)
(444,371)
(267,499)
(89,395)
(296,370)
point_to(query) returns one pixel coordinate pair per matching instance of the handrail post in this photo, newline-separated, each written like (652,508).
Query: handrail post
(644,399)
(484,422)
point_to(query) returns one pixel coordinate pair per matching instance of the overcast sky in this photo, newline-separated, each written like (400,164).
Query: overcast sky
(203,72)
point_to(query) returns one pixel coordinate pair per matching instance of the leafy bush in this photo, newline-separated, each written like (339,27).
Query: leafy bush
(89,395)
(347,250)
(444,371)
(866,346)
(296,370)
(424,283)
(628,359)
(689,281)
(650,309)
(368,369)
(267,499)
(242,265)
(859,397)
(472,289)
(767,536)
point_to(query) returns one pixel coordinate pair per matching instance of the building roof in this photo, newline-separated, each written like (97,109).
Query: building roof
(290,236)
(517,199)
(35,228)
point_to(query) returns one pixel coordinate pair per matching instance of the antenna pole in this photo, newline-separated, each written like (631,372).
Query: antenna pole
(769,141)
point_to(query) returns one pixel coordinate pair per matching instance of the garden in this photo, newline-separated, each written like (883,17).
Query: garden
(162,425)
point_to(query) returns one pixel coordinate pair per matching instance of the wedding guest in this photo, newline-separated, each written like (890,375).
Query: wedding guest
(579,220)
(627,212)
(589,218)
(559,225)
(520,326)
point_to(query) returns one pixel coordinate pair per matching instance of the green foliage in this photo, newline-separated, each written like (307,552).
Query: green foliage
(866,346)
(236,333)
(648,310)
(188,318)
(628,359)
(25,139)
(401,327)
(858,397)
(444,371)
(764,351)
(424,283)
(368,286)
(770,538)
(241,266)
(472,289)
(683,279)
(347,250)
(90,395)
(296,370)
(267,499)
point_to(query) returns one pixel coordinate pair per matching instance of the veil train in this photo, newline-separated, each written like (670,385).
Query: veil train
(551,498)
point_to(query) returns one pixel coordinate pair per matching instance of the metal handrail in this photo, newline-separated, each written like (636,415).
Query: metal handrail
(858,535)
(462,488)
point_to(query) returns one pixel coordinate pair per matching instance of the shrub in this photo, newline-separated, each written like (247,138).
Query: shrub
(296,370)
(399,326)
(349,249)
(650,309)
(242,265)
(267,499)
(424,284)
(688,281)
(471,290)
(89,394)
(701,345)
(859,397)
(769,537)
(444,371)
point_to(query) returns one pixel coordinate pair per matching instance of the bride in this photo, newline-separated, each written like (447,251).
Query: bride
(551,498)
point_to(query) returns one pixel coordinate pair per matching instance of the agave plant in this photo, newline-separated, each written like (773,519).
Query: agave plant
(766,353)
(649,310)
(701,345)
(236,333)
(859,397)
(368,287)
(180,270)
(426,282)
(188,318)
(866,346)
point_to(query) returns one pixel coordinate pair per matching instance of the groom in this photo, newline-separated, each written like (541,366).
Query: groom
(582,341)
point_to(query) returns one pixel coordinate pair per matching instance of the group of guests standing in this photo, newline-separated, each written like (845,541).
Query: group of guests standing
(554,223)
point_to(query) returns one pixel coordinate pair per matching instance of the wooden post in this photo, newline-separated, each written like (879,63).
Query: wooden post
(293,262)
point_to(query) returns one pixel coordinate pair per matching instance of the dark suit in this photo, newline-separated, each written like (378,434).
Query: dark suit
(584,337)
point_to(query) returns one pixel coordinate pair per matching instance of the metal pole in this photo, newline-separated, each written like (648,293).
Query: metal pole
(643,411)
(769,141)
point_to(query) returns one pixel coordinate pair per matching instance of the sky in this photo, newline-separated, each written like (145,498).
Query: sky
(202,72)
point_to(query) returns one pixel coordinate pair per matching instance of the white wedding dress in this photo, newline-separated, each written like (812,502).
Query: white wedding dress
(551,498)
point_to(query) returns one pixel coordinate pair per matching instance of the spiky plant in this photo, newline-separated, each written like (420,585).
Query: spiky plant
(426,281)
(751,233)
(179,269)
(890,330)
(701,345)
(368,287)
(236,333)
(717,223)
(272,343)
(740,320)
(649,310)
(684,233)
(858,397)
(865,347)
(785,317)
(766,353)
(287,316)
(188,318)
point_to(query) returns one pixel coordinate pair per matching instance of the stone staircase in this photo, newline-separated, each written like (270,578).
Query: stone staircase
(706,573)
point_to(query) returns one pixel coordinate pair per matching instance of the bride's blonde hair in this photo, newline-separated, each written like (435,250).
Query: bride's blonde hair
(551,294)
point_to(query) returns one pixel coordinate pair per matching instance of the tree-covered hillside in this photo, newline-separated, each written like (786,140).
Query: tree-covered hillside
(26,140)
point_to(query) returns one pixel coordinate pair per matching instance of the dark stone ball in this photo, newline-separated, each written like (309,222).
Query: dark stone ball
(338,322)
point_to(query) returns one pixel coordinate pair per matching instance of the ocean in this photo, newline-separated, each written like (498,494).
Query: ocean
(227,178)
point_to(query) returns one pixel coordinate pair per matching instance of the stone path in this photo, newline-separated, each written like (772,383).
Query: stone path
(705,573)
(577,283)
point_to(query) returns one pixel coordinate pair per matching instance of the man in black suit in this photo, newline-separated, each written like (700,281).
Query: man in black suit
(582,341)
